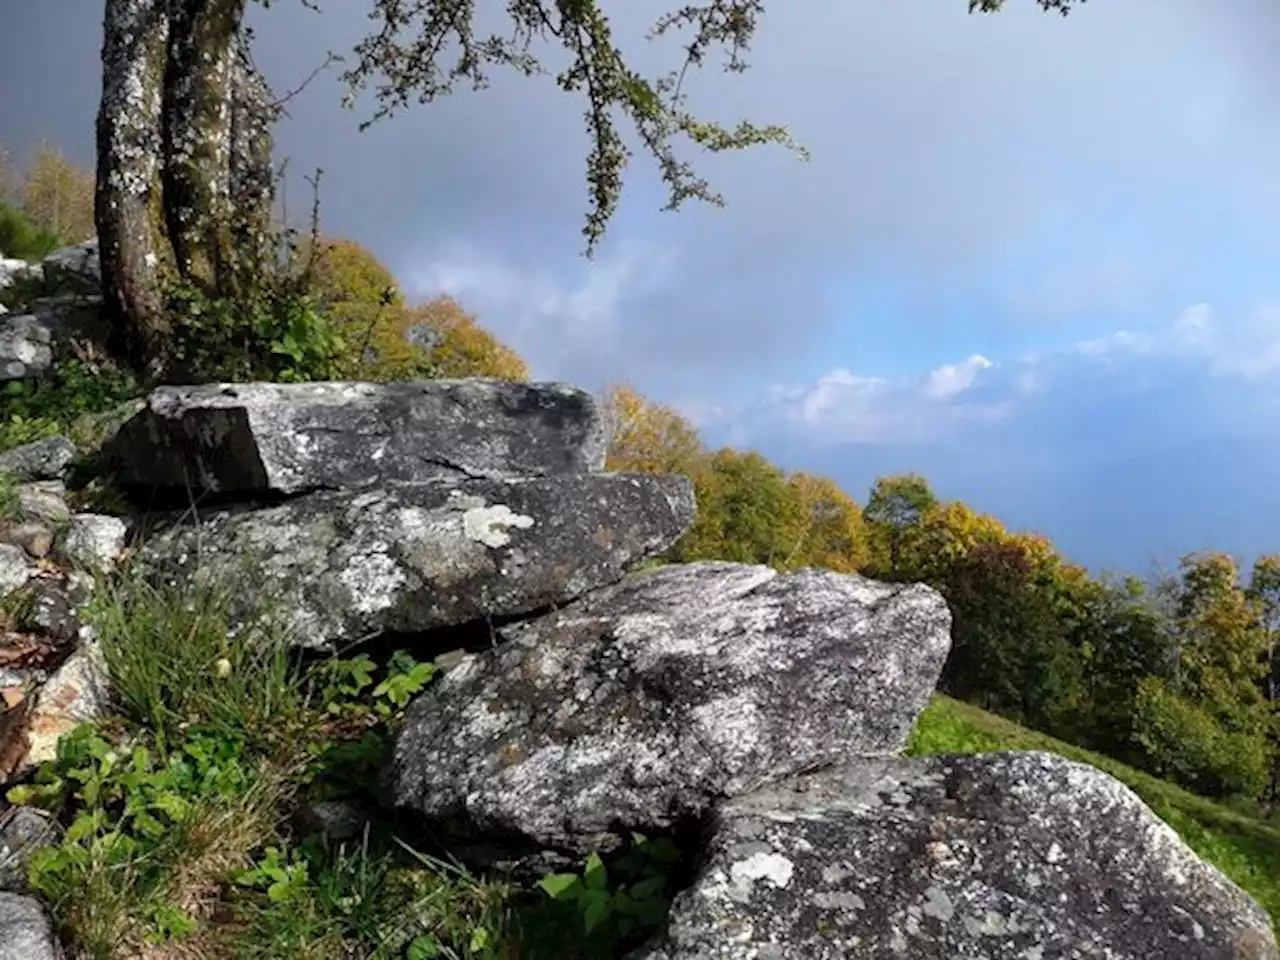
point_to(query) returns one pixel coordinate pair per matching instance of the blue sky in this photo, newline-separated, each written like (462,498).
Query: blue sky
(1034,258)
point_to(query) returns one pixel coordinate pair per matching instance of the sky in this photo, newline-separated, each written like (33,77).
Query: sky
(1030,257)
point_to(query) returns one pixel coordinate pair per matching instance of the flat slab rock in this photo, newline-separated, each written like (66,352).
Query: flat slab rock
(639,705)
(291,438)
(341,565)
(1013,856)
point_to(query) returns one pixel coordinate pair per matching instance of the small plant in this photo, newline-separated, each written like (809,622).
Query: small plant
(278,335)
(611,906)
(68,402)
(175,660)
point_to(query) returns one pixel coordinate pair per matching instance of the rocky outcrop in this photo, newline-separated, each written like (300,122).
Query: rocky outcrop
(645,702)
(757,716)
(341,565)
(956,858)
(292,438)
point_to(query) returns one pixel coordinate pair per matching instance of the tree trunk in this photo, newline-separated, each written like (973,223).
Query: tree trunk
(201,64)
(135,35)
(185,118)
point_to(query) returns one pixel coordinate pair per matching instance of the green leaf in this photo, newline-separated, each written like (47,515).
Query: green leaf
(597,910)
(595,876)
(560,886)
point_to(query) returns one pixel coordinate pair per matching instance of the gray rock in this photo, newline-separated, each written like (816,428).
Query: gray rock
(23,831)
(79,691)
(998,857)
(43,501)
(12,270)
(291,438)
(26,349)
(15,569)
(35,538)
(46,459)
(92,541)
(26,933)
(74,269)
(55,609)
(638,706)
(336,819)
(341,565)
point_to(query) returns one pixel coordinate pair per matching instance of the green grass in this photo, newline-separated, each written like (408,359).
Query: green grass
(1246,849)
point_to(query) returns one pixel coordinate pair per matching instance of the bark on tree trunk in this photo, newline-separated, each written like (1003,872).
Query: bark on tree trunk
(184,117)
(135,35)
(201,64)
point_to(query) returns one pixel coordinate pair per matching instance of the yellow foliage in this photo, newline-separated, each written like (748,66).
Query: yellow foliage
(58,195)
(383,335)
(945,534)
(467,349)
(646,437)
(830,532)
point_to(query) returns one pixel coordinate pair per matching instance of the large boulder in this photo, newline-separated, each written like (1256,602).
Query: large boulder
(638,706)
(341,565)
(1013,856)
(292,438)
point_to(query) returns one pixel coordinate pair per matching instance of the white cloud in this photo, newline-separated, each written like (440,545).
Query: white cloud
(563,325)
(843,406)
(954,378)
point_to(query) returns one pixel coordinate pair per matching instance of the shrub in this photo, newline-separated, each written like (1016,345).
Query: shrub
(1185,744)
(21,239)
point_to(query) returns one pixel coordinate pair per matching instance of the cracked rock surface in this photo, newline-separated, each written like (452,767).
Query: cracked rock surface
(341,565)
(1006,856)
(293,438)
(644,702)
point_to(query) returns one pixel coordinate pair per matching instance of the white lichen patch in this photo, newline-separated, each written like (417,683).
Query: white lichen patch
(772,868)
(489,525)
(374,581)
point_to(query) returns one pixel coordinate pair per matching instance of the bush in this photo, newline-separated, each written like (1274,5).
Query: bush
(21,239)
(1185,744)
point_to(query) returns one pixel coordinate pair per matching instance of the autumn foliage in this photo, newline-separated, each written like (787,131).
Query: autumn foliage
(386,338)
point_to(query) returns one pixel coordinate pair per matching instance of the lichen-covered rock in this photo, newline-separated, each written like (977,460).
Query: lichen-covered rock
(999,857)
(15,569)
(43,501)
(92,541)
(74,269)
(341,565)
(26,349)
(46,459)
(23,831)
(641,704)
(31,341)
(77,692)
(36,539)
(292,438)
(26,933)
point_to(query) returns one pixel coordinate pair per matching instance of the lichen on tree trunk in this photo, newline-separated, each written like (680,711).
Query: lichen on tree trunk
(184,128)
(201,64)
(135,37)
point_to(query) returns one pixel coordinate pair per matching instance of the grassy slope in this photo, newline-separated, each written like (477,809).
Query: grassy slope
(1245,849)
